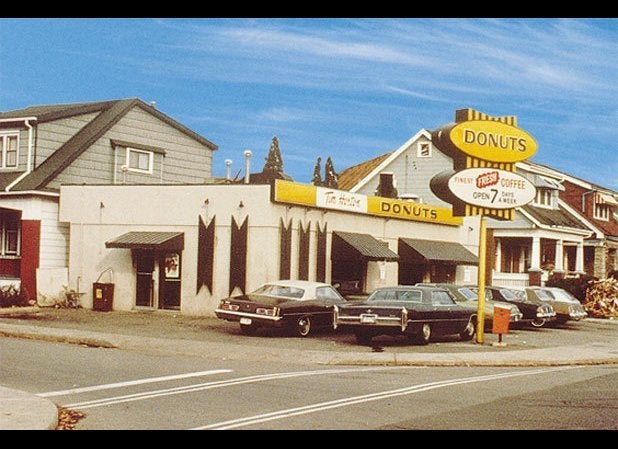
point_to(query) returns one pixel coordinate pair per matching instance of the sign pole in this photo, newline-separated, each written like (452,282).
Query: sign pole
(480,323)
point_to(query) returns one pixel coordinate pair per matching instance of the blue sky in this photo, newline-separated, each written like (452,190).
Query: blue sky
(351,89)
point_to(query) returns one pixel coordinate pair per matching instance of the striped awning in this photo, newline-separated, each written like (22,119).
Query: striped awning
(544,181)
(153,240)
(606,198)
(351,246)
(419,251)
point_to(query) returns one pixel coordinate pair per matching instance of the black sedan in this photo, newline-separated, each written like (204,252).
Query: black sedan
(297,305)
(415,312)
(534,313)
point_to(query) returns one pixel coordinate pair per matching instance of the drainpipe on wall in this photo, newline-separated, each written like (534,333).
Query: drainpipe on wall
(584,199)
(26,121)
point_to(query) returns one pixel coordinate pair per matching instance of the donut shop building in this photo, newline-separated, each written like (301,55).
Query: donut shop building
(185,247)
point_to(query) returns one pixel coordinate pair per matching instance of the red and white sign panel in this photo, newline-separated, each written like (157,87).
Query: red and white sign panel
(491,188)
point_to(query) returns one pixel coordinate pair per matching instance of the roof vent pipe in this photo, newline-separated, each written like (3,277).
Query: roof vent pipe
(228,170)
(247,163)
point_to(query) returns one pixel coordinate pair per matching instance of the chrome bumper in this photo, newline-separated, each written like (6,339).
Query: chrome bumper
(256,316)
(516,317)
(370,319)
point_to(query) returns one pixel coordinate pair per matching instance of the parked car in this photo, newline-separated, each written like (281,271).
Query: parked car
(417,312)
(297,305)
(465,295)
(566,305)
(535,313)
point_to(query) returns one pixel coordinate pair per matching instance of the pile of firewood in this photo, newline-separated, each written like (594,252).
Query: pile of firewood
(602,299)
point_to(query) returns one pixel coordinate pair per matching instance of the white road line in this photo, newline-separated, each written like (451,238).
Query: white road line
(281,414)
(129,383)
(216,384)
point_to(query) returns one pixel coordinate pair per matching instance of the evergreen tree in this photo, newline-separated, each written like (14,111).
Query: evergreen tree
(274,162)
(331,179)
(317,177)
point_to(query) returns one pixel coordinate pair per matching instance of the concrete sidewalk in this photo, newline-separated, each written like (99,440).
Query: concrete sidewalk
(213,338)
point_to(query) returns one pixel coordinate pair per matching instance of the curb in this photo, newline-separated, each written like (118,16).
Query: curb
(24,411)
(601,354)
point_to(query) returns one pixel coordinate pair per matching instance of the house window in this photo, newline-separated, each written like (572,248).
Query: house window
(423,149)
(9,235)
(9,143)
(544,197)
(139,160)
(601,211)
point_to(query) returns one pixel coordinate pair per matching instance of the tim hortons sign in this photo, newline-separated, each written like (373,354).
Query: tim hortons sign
(484,151)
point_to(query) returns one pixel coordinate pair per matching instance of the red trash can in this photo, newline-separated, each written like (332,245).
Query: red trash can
(502,317)
(102,296)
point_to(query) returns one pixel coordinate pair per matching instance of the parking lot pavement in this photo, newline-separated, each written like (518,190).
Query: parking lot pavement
(591,341)
(584,341)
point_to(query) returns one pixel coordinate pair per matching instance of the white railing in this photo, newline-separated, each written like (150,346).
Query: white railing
(519,280)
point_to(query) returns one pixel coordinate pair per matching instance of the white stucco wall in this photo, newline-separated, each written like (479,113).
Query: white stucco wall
(101,213)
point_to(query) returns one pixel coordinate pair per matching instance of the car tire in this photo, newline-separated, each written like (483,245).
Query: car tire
(363,338)
(538,322)
(468,332)
(423,337)
(248,329)
(303,326)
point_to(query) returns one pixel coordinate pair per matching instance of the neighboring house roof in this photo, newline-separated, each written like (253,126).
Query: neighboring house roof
(609,228)
(555,217)
(110,112)
(7,178)
(362,173)
(48,113)
(526,165)
(351,176)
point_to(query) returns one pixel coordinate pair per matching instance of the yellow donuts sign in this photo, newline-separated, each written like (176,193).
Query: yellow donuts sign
(493,141)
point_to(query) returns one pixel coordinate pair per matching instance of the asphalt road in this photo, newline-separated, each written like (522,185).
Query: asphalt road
(118,389)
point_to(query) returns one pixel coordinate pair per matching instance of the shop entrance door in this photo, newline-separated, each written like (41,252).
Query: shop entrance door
(144,296)
(169,275)
(410,273)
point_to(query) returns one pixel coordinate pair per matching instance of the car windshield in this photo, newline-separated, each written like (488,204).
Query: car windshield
(509,295)
(396,295)
(544,295)
(562,295)
(469,294)
(284,291)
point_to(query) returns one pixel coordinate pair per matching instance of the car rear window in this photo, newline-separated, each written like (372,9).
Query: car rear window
(396,295)
(441,298)
(327,293)
(280,290)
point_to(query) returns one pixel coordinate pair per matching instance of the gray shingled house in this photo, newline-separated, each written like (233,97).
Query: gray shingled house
(545,236)
(123,141)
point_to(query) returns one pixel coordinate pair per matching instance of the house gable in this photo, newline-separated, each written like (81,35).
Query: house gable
(86,156)
(413,165)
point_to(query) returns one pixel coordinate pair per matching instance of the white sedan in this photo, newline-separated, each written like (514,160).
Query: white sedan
(297,305)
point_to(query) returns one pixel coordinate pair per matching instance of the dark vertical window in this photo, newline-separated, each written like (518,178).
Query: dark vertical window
(238,256)
(303,251)
(321,255)
(205,254)
(285,249)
